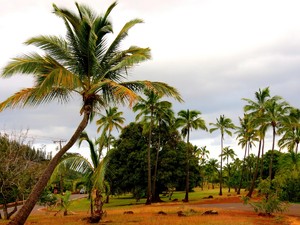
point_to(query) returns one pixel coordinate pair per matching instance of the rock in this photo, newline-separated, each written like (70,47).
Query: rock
(180,213)
(128,212)
(162,213)
(210,212)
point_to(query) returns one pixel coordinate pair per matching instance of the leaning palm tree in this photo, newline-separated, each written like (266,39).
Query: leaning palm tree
(224,125)
(83,63)
(188,120)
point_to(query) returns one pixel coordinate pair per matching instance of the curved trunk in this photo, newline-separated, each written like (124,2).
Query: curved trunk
(25,211)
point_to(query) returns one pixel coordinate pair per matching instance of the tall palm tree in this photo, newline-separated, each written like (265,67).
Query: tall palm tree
(256,110)
(224,125)
(83,63)
(228,153)
(246,135)
(276,110)
(112,119)
(149,107)
(188,120)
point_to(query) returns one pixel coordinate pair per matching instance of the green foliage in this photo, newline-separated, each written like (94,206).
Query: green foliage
(65,202)
(20,167)
(47,198)
(270,202)
(127,169)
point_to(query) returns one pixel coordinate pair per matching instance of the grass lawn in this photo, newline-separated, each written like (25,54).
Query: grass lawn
(149,215)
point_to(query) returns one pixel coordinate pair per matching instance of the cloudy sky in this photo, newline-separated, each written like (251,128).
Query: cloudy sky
(214,52)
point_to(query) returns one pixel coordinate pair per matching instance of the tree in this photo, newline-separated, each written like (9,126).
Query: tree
(291,131)
(83,63)
(276,110)
(212,167)
(93,170)
(228,153)
(257,112)
(188,120)
(246,135)
(20,168)
(224,125)
(129,164)
(150,107)
(112,119)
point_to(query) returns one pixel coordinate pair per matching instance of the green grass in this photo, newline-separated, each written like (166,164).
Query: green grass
(126,200)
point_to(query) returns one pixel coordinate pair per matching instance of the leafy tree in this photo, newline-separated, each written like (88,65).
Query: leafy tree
(188,120)
(128,164)
(20,168)
(224,125)
(83,63)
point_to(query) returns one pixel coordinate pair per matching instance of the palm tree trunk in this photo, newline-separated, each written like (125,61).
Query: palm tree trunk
(228,175)
(272,153)
(262,158)
(24,212)
(149,191)
(187,184)
(243,168)
(251,189)
(156,198)
(221,175)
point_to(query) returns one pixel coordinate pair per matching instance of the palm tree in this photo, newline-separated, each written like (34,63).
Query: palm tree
(112,119)
(291,131)
(257,111)
(83,63)
(228,153)
(212,167)
(246,135)
(150,107)
(188,120)
(94,171)
(203,154)
(224,125)
(276,111)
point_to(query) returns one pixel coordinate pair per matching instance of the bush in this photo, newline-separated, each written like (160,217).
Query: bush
(270,202)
